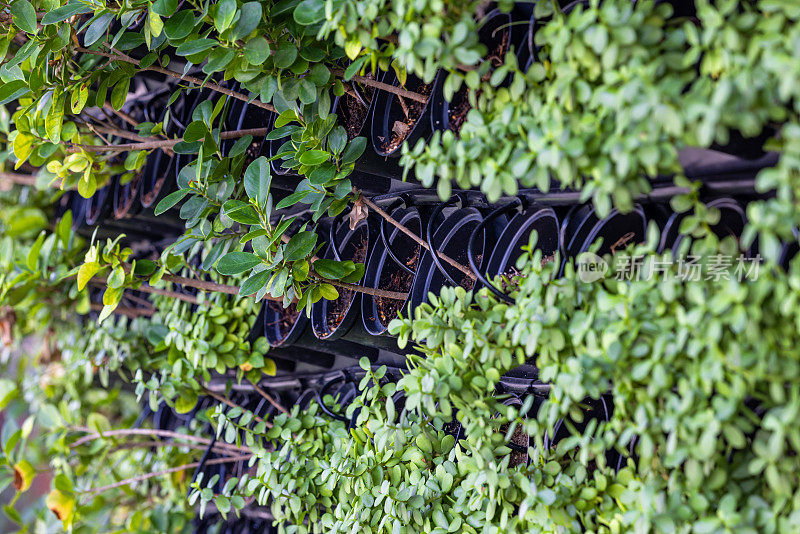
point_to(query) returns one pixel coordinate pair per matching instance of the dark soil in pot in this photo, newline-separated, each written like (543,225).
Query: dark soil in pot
(284,318)
(397,280)
(353,107)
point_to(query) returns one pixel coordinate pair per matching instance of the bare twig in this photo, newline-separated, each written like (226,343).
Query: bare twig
(147,432)
(394,295)
(184,467)
(399,91)
(225,400)
(163,143)
(269,398)
(466,270)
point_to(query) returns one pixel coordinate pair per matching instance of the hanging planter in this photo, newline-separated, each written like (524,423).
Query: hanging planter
(543,221)
(98,207)
(732,221)
(582,227)
(161,170)
(397,119)
(498,35)
(393,265)
(449,238)
(513,236)
(334,319)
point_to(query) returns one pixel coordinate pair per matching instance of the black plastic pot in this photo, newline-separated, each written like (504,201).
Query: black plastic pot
(513,236)
(450,237)
(388,116)
(495,31)
(582,228)
(161,170)
(789,251)
(343,245)
(731,223)
(98,208)
(125,197)
(542,220)
(388,266)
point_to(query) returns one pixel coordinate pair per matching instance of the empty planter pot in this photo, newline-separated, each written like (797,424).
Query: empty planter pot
(516,234)
(450,238)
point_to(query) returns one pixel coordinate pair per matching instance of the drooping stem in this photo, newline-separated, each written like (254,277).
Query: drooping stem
(118,56)
(163,472)
(130,313)
(466,270)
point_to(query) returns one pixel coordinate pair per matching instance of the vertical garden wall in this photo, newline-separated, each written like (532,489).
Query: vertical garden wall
(389,266)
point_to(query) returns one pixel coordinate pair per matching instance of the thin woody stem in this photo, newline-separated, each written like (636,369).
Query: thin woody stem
(163,143)
(225,400)
(118,56)
(466,270)
(184,467)
(394,295)
(146,432)
(399,91)
(269,398)
(130,313)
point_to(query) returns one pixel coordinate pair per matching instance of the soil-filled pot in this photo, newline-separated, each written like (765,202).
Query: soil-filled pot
(334,319)
(450,238)
(582,228)
(497,34)
(732,221)
(393,269)
(516,234)
(396,120)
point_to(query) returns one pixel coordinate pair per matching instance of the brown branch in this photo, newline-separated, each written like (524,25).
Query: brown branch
(13,178)
(184,467)
(394,295)
(130,313)
(118,56)
(399,91)
(147,432)
(163,143)
(101,281)
(148,444)
(416,238)
(269,398)
(225,400)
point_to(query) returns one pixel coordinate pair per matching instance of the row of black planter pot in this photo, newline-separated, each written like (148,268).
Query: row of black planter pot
(488,238)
